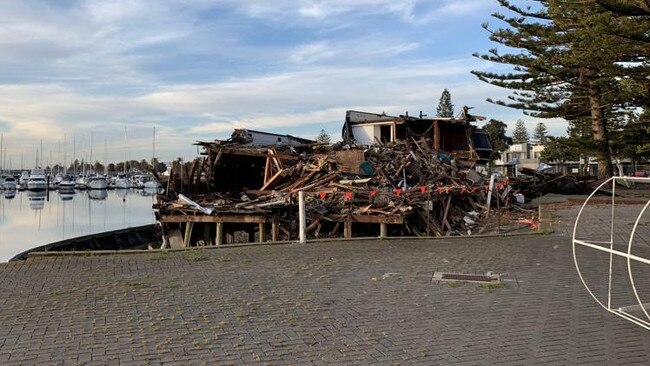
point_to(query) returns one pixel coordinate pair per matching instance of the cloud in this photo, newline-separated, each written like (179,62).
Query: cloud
(312,52)
(198,68)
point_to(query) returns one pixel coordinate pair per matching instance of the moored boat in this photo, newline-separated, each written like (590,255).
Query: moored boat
(24,177)
(67,183)
(122,182)
(9,184)
(81,183)
(37,180)
(97,182)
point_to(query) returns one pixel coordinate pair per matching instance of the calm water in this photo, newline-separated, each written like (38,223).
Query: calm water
(31,219)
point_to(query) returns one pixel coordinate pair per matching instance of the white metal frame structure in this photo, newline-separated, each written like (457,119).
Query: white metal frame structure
(623,312)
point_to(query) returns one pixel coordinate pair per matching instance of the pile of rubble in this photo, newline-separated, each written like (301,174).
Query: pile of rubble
(423,190)
(536,183)
(389,189)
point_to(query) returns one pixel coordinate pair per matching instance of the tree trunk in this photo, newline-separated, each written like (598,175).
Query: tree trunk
(599,133)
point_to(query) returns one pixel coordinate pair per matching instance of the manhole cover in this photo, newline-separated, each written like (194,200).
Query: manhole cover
(442,276)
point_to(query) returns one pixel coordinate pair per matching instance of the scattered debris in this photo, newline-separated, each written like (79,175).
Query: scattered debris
(399,188)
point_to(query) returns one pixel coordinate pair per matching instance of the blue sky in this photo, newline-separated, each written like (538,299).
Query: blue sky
(196,69)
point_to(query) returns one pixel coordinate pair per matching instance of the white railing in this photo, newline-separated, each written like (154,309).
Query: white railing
(625,311)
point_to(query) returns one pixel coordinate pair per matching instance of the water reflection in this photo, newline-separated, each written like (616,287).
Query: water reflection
(9,194)
(29,219)
(36,199)
(150,191)
(66,195)
(97,194)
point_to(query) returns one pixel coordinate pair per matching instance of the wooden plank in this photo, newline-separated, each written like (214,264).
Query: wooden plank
(444,216)
(236,219)
(347,228)
(188,234)
(436,135)
(271,181)
(267,170)
(368,219)
(278,163)
(348,161)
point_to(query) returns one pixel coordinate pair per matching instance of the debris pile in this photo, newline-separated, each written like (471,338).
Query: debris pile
(235,188)
(406,187)
(536,183)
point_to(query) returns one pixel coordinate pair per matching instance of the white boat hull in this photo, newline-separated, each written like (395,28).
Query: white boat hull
(122,184)
(9,186)
(98,184)
(152,184)
(36,185)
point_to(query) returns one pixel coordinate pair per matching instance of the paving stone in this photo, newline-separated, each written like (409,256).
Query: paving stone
(320,303)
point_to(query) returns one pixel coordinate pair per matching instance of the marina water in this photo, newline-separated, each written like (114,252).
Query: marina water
(30,219)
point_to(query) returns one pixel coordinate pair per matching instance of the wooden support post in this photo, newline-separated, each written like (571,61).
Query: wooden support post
(347,228)
(262,232)
(275,231)
(436,135)
(383,230)
(188,234)
(218,240)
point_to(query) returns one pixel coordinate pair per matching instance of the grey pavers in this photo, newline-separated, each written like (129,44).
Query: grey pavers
(320,303)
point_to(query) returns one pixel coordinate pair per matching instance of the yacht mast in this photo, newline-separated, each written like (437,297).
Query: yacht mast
(92,168)
(105,159)
(153,155)
(124,167)
(65,154)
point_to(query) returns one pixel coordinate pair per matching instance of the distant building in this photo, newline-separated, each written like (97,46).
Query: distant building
(527,155)
(517,156)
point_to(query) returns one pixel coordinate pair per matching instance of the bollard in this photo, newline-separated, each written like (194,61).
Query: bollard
(302,217)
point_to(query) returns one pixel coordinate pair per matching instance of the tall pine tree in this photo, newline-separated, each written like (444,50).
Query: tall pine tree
(520,134)
(540,134)
(569,64)
(445,107)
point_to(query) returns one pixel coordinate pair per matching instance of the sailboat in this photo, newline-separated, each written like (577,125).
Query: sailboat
(81,182)
(67,181)
(95,180)
(122,181)
(152,184)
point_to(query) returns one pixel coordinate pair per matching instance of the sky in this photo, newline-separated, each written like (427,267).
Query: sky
(75,74)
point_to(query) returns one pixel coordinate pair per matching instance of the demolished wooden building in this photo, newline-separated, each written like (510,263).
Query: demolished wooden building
(455,136)
(238,191)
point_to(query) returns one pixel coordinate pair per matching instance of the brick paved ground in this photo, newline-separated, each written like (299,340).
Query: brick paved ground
(362,302)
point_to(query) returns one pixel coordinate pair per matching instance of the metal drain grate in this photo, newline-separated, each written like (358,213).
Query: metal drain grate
(442,276)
